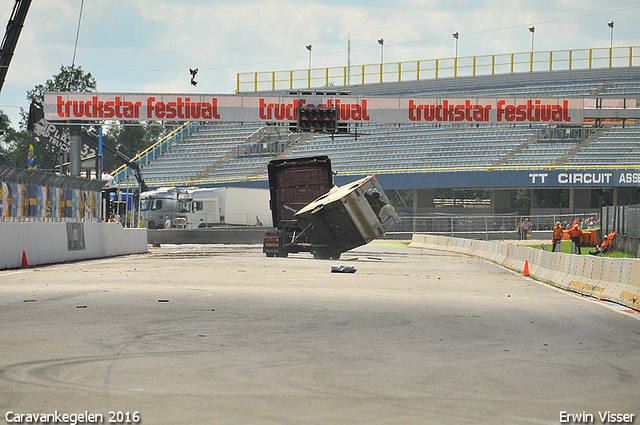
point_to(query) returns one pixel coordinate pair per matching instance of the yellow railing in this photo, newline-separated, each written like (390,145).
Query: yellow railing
(504,63)
(226,180)
(155,150)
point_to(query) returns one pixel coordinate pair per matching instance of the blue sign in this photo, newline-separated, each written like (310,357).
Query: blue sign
(489,179)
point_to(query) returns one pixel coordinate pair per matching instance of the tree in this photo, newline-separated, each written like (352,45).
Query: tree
(70,78)
(15,147)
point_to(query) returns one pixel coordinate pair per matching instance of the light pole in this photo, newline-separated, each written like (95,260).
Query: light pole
(455,63)
(308,46)
(381,43)
(610,23)
(532,29)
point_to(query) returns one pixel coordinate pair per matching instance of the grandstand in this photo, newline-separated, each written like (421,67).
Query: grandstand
(224,153)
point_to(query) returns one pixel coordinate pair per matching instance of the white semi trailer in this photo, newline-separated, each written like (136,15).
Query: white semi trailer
(193,208)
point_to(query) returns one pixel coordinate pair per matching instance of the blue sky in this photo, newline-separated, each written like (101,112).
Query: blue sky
(149,45)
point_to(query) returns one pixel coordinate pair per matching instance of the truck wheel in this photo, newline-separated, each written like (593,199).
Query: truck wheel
(270,254)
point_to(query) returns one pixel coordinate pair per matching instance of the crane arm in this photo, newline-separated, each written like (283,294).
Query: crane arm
(11,35)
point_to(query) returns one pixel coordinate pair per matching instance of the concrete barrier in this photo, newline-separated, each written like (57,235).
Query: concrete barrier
(612,279)
(48,243)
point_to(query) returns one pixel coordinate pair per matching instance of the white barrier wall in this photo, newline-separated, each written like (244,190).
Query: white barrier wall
(612,279)
(47,243)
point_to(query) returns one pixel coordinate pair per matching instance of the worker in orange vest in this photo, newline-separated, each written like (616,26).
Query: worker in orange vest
(576,234)
(557,236)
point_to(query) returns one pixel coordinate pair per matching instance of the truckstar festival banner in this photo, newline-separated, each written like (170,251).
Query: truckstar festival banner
(89,106)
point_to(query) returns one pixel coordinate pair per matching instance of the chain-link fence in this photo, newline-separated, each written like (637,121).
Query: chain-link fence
(625,220)
(488,227)
(34,195)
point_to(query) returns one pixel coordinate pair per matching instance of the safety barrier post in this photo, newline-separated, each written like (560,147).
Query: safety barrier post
(570,60)
(610,57)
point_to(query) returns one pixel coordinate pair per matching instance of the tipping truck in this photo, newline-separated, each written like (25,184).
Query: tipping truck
(310,214)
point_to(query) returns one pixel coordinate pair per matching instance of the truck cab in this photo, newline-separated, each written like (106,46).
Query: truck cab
(197,208)
(159,204)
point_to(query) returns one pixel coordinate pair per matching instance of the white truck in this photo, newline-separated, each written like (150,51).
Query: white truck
(197,208)
(192,208)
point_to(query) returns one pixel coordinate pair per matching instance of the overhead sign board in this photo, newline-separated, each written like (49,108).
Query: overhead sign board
(505,178)
(87,106)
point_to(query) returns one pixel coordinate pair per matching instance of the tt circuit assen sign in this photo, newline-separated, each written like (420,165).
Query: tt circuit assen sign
(552,178)
(240,108)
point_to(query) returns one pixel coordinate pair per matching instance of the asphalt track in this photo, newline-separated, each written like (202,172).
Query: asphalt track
(220,334)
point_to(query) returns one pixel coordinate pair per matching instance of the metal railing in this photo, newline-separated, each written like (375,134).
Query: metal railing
(155,150)
(267,141)
(487,227)
(39,196)
(503,63)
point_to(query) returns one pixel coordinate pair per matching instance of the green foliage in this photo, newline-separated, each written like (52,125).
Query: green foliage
(70,78)
(521,199)
(131,139)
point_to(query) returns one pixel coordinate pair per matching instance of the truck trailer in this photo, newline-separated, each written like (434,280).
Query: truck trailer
(310,214)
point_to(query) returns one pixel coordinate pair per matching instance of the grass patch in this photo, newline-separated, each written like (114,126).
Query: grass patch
(566,248)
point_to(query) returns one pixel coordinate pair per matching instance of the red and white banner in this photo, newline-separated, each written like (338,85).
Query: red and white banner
(87,106)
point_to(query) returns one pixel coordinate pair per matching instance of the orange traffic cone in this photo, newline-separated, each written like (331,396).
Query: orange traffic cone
(24,260)
(526,268)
